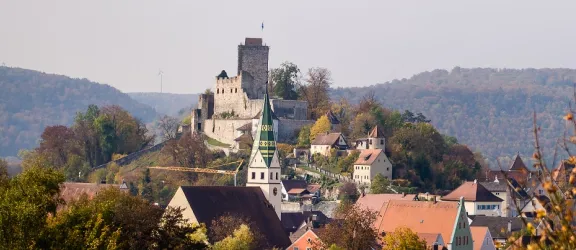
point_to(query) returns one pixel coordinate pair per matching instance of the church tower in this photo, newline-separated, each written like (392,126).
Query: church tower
(264,166)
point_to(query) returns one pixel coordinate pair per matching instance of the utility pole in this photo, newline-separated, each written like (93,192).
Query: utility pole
(160,73)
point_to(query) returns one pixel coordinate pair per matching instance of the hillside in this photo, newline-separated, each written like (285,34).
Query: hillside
(488,109)
(31,100)
(167,103)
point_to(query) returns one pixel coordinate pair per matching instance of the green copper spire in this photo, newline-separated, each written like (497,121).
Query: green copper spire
(267,142)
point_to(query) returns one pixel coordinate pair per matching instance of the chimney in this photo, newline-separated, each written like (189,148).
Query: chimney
(509,226)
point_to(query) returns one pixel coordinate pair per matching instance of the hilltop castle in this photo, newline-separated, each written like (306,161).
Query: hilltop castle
(234,106)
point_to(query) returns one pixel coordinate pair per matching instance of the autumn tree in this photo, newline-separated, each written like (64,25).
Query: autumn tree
(189,151)
(304,137)
(403,238)
(380,185)
(3,169)
(285,81)
(321,126)
(58,143)
(362,124)
(348,192)
(26,202)
(169,127)
(241,239)
(316,90)
(352,229)
(344,111)
(224,227)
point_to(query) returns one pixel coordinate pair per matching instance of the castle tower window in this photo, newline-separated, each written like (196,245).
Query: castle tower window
(276,175)
(230,90)
(271,176)
(217,91)
(236,90)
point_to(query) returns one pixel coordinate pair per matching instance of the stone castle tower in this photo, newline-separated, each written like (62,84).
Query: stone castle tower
(264,166)
(253,63)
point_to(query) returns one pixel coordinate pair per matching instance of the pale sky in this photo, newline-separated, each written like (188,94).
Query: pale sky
(125,43)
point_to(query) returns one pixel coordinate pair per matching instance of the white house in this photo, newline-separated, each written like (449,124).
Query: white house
(375,140)
(323,143)
(477,199)
(370,163)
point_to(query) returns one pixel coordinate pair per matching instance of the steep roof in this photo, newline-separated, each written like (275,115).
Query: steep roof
(518,165)
(376,132)
(471,191)
(368,156)
(210,202)
(245,127)
(430,238)
(264,140)
(478,235)
(493,186)
(326,139)
(294,220)
(420,217)
(498,226)
(290,184)
(332,118)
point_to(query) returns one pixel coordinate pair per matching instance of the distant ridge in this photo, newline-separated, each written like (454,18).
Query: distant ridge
(31,100)
(166,103)
(487,109)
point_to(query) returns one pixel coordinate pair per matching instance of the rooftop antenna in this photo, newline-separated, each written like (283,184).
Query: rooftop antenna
(160,73)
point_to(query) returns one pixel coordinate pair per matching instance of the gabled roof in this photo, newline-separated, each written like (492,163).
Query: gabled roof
(478,235)
(290,184)
(210,202)
(70,191)
(420,217)
(297,191)
(498,226)
(313,188)
(493,186)
(518,165)
(376,132)
(471,191)
(368,156)
(294,220)
(245,127)
(374,202)
(326,139)
(431,238)
(332,118)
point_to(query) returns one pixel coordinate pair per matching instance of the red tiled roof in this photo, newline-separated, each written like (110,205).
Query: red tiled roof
(478,234)
(376,132)
(368,156)
(471,191)
(420,217)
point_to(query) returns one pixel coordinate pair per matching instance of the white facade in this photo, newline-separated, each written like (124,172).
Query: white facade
(179,201)
(320,149)
(364,173)
(267,178)
(492,208)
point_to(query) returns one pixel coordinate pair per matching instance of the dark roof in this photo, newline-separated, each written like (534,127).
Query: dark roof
(376,132)
(290,184)
(326,139)
(210,202)
(518,164)
(293,221)
(332,118)
(245,127)
(471,191)
(493,186)
(498,226)
(253,41)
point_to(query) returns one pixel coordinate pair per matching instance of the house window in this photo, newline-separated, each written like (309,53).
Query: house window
(540,191)
(370,141)
(387,169)
(381,142)
(262,175)
(295,248)
(309,240)
(276,175)
(253,175)
(271,176)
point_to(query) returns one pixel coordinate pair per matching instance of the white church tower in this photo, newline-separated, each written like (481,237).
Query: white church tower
(264,166)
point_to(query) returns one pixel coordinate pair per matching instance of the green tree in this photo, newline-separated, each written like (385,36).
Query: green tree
(3,169)
(304,137)
(285,80)
(322,125)
(352,229)
(403,238)
(146,185)
(362,124)
(242,239)
(380,185)
(26,201)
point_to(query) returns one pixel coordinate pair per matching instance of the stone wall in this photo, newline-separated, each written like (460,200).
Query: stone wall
(230,96)
(290,109)
(288,129)
(224,130)
(253,60)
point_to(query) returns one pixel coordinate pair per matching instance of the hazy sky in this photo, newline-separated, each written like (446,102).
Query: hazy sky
(125,43)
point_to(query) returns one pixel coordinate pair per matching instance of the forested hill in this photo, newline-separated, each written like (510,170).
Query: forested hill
(31,100)
(167,103)
(487,109)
